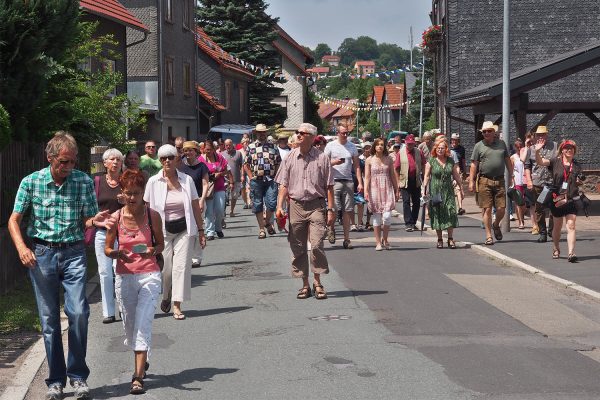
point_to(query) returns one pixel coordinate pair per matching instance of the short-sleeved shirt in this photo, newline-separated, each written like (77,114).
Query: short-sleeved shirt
(540,175)
(306,176)
(336,150)
(460,156)
(197,172)
(263,159)
(490,157)
(235,161)
(150,165)
(57,212)
(107,196)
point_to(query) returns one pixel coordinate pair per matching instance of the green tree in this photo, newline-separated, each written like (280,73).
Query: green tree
(243,28)
(312,111)
(373,125)
(35,37)
(361,48)
(4,128)
(321,50)
(412,120)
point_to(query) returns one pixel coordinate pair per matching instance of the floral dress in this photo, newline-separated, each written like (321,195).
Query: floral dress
(381,190)
(442,216)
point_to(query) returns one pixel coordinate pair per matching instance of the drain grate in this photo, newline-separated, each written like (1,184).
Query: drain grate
(331,318)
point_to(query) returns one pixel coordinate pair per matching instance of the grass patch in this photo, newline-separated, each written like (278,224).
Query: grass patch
(18,311)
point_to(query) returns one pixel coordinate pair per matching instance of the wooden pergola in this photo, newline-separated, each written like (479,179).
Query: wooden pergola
(487,98)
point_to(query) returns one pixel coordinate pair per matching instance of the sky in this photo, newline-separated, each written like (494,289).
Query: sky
(311,22)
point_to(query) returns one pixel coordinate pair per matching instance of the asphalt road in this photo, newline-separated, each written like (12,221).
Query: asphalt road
(410,323)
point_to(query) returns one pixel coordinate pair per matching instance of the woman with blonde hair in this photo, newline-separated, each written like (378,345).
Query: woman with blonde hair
(566,179)
(381,192)
(439,172)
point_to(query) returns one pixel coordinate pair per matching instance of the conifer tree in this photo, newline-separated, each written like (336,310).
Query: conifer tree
(243,28)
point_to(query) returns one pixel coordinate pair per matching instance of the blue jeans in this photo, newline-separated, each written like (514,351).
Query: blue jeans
(106,274)
(263,191)
(215,210)
(66,266)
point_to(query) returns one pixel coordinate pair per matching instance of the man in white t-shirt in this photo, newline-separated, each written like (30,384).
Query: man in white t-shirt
(344,159)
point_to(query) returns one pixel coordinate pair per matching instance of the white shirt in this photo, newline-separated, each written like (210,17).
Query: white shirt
(283,153)
(518,170)
(156,196)
(335,150)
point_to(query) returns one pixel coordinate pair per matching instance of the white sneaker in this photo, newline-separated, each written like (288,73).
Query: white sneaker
(353,228)
(378,248)
(82,391)
(512,217)
(55,392)
(395,213)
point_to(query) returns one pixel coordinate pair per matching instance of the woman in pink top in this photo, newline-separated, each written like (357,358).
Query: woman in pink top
(381,192)
(138,278)
(218,168)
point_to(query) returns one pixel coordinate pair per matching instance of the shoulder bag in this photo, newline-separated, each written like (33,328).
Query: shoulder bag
(160,260)
(90,233)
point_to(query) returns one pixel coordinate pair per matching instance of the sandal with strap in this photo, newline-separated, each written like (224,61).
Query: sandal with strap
(489,241)
(165,306)
(303,293)
(270,229)
(555,254)
(440,244)
(572,258)
(451,243)
(137,386)
(320,294)
(262,234)
(497,232)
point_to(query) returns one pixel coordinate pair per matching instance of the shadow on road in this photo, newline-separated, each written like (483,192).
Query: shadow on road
(227,263)
(204,313)
(200,280)
(354,293)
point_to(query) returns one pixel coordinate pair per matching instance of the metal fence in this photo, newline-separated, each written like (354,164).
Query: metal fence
(16,161)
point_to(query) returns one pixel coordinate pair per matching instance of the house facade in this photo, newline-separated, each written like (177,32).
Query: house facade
(221,85)
(161,68)
(554,69)
(113,19)
(294,60)
(364,67)
(390,102)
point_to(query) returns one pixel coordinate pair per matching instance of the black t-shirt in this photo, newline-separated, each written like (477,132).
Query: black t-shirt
(107,196)
(196,172)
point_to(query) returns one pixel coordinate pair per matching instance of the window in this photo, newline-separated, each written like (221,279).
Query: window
(228,95)
(169,10)
(169,78)
(186,14)
(187,78)
(242,100)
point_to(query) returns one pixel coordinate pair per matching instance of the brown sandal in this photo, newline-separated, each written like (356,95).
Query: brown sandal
(555,254)
(262,234)
(320,294)
(137,386)
(303,293)
(440,244)
(451,243)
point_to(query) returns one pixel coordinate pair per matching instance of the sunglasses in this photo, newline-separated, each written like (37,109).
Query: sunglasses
(67,162)
(170,158)
(150,147)
(302,133)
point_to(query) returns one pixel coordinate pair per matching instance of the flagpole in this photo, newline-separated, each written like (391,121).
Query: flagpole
(422,91)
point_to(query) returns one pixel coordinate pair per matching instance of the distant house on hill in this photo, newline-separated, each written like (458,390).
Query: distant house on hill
(331,59)
(364,67)
(389,101)
(335,114)
(318,72)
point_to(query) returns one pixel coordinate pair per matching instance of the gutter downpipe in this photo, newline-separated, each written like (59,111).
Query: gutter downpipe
(159,115)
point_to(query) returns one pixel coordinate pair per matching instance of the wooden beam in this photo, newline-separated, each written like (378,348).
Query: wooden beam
(521,123)
(564,107)
(593,117)
(464,121)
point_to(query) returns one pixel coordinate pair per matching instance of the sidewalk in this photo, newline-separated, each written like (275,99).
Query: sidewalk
(522,245)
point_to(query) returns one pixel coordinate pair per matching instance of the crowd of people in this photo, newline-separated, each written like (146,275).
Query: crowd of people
(149,218)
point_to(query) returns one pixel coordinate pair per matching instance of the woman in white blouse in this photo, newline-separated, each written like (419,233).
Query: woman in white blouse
(173,194)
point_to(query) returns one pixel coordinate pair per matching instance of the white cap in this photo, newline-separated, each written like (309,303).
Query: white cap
(455,136)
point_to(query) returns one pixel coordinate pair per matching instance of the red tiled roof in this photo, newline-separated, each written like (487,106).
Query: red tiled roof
(210,98)
(113,10)
(330,57)
(345,112)
(394,93)
(284,35)
(378,93)
(282,51)
(208,46)
(318,70)
(365,63)
(326,111)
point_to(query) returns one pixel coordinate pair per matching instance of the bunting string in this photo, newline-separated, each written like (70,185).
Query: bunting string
(357,106)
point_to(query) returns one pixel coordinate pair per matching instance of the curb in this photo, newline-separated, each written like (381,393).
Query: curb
(36,357)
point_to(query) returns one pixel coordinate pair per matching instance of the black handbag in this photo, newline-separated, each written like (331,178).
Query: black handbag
(160,260)
(436,199)
(582,203)
(176,226)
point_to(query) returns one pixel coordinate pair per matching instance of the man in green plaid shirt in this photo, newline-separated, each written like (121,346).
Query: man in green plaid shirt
(61,201)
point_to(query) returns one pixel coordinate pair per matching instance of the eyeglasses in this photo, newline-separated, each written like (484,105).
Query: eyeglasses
(303,133)
(66,162)
(170,158)
(150,147)
(131,194)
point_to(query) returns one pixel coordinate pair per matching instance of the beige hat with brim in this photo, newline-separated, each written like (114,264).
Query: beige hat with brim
(541,130)
(487,126)
(261,128)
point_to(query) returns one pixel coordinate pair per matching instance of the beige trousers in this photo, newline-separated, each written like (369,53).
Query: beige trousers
(307,222)
(177,272)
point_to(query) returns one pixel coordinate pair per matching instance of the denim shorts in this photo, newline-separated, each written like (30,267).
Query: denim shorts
(263,191)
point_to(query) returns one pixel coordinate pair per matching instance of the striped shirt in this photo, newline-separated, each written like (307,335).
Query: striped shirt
(306,176)
(57,212)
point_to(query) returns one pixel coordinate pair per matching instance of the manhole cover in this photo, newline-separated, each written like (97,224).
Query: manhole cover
(331,318)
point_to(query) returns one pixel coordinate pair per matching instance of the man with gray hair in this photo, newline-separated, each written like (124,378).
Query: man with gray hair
(62,202)
(306,178)
(235,159)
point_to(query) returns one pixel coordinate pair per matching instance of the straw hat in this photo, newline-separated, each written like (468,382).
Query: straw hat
(541,130)
(261,128)
(488,125)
